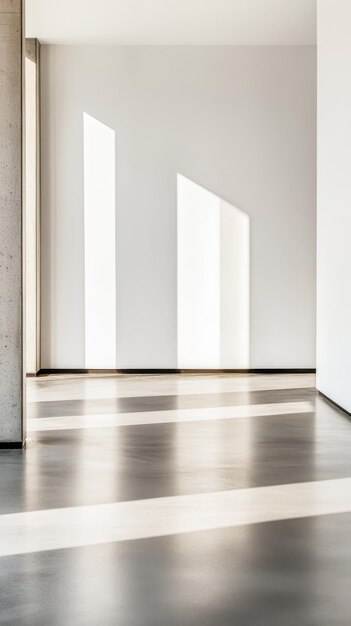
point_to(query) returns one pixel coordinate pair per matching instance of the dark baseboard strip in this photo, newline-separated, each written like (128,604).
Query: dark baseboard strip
(49,372)
(12,445)
(223,371)
(334,403)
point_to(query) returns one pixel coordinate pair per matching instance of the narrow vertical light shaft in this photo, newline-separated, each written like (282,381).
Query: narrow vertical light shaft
(99,244)
(213,291)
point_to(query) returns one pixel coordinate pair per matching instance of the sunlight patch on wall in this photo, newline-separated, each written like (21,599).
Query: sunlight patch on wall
(99,244)
(213,269)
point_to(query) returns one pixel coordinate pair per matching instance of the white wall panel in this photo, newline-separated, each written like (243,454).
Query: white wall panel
(237,121)
(334,202)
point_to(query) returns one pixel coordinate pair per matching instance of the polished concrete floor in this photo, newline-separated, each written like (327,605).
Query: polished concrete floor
(183,500)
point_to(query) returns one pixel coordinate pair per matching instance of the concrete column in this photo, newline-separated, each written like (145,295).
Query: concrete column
(12,382)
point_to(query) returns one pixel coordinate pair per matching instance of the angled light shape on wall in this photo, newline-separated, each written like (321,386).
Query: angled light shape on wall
(99,244)
(213,280)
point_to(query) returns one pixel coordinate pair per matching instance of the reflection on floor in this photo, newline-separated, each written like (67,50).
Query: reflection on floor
(177,500)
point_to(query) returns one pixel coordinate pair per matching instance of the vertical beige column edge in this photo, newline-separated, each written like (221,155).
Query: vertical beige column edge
(32,203)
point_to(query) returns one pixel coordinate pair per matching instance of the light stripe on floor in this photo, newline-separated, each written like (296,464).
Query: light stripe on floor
(163,417)
(76,387)
(37,531)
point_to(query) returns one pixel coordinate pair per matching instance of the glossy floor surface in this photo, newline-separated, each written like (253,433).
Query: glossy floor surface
(181,500)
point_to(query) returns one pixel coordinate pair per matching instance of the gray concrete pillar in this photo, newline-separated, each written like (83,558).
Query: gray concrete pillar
(12,381)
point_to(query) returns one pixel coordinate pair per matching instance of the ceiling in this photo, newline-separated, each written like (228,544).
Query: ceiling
(173,22)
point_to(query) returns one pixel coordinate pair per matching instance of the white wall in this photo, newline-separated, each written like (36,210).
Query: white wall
(334,201)
(239,122)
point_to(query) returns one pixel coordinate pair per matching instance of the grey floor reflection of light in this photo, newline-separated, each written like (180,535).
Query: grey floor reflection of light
(178,500)
(55,529)
(161,417)
(63,387)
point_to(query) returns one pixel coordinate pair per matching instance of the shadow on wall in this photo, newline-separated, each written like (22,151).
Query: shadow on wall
(213,284)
